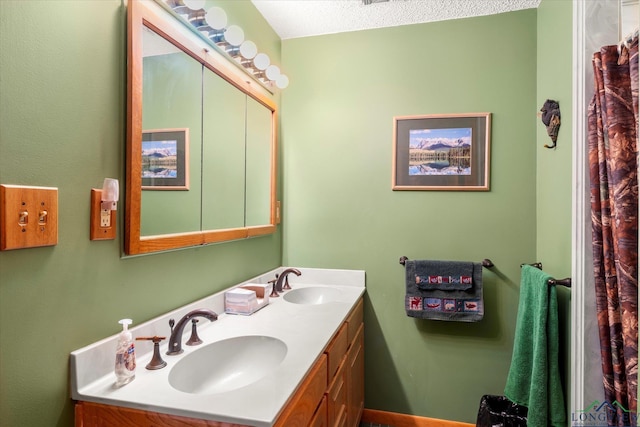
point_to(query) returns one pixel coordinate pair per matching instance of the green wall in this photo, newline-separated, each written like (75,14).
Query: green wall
(553,176)
(340,211)
(62,124)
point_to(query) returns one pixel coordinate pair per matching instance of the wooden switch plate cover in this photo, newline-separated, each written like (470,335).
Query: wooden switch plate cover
(28,217)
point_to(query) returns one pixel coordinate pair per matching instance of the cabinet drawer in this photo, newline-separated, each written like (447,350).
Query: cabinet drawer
(354,320)
(336,350)
(320,417)
(337,397)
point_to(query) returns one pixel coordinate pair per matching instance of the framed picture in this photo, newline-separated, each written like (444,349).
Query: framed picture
(441,152)
(165,159)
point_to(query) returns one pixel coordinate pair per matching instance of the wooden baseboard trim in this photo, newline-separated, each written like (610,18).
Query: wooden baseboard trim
(403,420)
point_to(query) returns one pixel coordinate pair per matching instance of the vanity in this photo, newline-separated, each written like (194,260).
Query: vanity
(299,361)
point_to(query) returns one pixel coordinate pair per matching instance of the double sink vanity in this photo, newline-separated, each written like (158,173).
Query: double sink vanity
(298,361)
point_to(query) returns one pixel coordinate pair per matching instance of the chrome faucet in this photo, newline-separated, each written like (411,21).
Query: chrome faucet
(175,340)
(283,279)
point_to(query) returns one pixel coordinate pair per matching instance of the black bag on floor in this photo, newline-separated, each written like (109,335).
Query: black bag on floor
(498,411)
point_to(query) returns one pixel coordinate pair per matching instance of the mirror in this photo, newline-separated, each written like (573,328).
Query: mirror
(201,141)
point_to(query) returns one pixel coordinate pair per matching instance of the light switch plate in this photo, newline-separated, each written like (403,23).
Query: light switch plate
(28,216)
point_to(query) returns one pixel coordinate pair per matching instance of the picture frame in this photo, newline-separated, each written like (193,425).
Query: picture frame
(165,159)
(448,152)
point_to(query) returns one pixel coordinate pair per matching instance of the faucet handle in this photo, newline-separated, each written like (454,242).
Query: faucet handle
(156,361)
(194,339)
(171,324)
(274,292)
(286,286)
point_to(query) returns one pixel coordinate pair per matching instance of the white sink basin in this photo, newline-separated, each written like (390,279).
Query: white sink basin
(312,295)
(227,365)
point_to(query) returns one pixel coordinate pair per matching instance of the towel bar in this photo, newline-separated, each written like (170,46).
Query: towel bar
(562,282)
(486,263)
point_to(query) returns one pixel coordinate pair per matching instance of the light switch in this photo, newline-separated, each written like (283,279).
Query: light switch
(28,216)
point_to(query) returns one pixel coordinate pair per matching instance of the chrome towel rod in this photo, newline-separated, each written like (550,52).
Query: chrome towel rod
(562,282)
(486,263)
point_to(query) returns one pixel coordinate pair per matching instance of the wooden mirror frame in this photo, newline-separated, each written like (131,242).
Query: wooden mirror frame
(148,13)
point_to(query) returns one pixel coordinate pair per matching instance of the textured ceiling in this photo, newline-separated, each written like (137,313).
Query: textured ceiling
(301,18)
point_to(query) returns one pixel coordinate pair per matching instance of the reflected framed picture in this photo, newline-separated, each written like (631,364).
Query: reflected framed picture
(442,152)
(165,159)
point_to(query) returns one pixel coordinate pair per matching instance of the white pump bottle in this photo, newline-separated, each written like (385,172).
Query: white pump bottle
(125,367)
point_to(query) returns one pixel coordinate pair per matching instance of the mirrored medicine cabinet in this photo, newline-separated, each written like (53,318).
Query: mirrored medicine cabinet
(201,141)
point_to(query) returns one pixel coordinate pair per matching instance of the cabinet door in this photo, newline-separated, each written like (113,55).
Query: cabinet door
(355,361)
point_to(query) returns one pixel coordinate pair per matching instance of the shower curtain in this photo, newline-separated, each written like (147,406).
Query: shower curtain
(613,161)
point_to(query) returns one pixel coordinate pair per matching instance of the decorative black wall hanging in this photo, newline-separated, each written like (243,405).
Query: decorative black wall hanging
(551,119)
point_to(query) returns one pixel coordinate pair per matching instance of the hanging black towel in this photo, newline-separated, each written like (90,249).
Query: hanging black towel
(444,290)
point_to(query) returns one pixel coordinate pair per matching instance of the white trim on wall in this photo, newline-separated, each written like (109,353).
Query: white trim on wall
(595,24)
(578,212)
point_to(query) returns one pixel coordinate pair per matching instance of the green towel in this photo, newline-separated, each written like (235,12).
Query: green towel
(534,377)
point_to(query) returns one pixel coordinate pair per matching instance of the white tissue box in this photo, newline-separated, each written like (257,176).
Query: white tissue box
(246,299)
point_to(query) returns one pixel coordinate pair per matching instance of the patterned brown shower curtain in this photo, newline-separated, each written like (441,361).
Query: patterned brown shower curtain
(613,161)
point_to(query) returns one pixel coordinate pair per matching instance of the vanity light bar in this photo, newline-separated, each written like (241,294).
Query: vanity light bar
(229,40)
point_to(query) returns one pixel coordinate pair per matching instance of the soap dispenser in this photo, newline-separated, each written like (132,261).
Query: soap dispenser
(125,368)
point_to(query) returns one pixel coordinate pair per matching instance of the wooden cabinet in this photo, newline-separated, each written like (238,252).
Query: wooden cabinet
(355,389)
(331,395)
(304,403)
(90,414)
(342,402)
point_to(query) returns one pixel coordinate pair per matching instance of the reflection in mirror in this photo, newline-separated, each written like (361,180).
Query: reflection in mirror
(171,98)
(220,130)
(223,153)
(258,166)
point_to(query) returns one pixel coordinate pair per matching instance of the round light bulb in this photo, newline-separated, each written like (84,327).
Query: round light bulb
(194,4)
(272,72)
(234,35)
(261,61)
(216,18)
(248,49)
(282,81)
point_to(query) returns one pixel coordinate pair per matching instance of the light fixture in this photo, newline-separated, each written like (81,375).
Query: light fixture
(229,40)
(194,4)
(282,82)
(216,19)
(248,49)
(272,72)
(261,61)
(110,194)
(233,36)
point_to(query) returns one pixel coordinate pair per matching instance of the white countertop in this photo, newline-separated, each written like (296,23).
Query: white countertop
(305,329)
